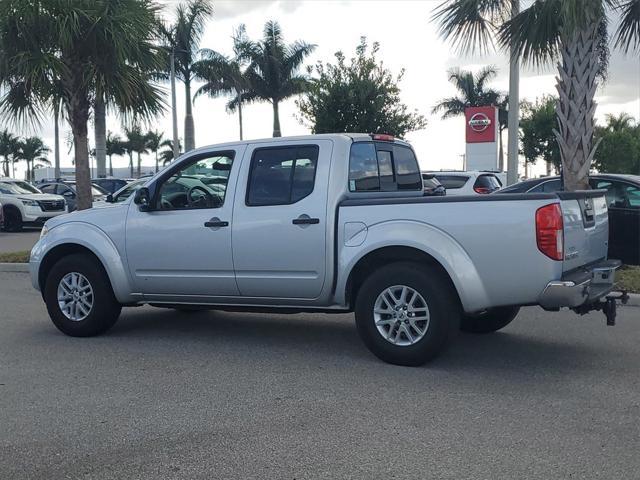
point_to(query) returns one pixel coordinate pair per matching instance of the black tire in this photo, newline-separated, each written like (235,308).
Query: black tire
(490,321)
(12,219)
(105,309)
(441,301)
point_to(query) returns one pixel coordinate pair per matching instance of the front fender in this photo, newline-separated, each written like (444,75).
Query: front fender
(427,238)
(92,238)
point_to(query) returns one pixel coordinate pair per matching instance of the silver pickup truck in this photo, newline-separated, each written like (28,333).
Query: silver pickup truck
(329,223)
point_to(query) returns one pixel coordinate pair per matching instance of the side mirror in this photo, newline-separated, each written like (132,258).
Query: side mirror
(109,198)
(69,194)
(142,199)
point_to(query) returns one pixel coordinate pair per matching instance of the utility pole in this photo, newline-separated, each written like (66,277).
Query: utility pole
(514,106)
(174,114)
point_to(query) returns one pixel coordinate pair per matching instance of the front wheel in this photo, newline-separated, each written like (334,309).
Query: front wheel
(490,321)
(79,297)
(406,313)
(12,220)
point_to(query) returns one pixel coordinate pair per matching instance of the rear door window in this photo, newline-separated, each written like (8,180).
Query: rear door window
(451,182)
(281,176)
(383,167)
(486,184)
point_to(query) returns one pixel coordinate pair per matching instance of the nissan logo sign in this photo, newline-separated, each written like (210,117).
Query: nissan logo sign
(479,122)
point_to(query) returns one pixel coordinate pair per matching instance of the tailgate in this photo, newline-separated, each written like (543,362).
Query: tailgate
(586,227)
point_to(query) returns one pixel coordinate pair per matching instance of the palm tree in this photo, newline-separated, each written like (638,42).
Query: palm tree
(226,76)
(154,142)
(273,70)
(114,146)
(82,44)
(182,38)
(8,149)
(619,123)
(573,32)
(473,92)
(31,150)
(166,155)
(136,142)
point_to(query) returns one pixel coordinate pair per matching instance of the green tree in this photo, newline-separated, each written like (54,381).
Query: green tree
(619,150)
(136,143)
(154,142)
(182,38)
(571,32)
(473,92)
(537,136)
(8,149)
(226,76)
(358,96)
(166,155)
(114,145)
(31,150)
(273,70)
(80,43)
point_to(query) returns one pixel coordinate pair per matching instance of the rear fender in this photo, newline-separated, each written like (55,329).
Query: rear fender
(438,244)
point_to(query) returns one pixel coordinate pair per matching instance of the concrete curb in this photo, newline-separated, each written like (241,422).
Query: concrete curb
(14,267)
(634,298)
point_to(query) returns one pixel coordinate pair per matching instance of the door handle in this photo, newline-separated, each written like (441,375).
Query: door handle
(216,222)
(305,220)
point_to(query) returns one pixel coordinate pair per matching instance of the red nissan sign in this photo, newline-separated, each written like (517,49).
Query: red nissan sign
(480,124)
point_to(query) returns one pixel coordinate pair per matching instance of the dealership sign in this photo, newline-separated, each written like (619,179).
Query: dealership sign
(479,122)
(481,134)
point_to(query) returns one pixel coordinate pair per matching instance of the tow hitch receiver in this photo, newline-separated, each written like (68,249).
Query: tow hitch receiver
(608,306)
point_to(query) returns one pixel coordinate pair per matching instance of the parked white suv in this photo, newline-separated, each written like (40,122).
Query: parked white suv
(469,183)
(25,205)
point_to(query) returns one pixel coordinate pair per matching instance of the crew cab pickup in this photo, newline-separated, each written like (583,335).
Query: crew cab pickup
(332,223)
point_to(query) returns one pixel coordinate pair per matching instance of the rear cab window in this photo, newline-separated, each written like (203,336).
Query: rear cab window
(383,167)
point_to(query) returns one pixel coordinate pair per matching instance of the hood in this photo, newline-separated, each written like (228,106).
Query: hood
(95,216)
(38,196)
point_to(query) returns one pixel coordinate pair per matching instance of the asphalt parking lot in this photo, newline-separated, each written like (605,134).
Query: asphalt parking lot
(18,241)
(228,395)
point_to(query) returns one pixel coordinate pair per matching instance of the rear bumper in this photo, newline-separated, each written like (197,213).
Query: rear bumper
(587,285)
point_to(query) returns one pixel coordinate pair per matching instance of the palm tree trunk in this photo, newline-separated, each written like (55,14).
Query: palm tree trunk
(576,107)
(276,119)
(189,128)
(56,141)
(156,153)
(131,163)
(100,132)
(110,166)
(6,165)
(500,152)
(240,113)
(139,162)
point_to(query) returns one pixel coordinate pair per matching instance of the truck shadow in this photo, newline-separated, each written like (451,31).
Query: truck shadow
(320,338)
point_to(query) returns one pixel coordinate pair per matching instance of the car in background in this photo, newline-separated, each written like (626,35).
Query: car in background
(623,201)
(111,185)
(1,217)
(432,185)
(68,191)
(25,205)
(468,182)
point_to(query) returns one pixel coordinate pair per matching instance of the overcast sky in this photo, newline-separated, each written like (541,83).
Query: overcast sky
(407,40)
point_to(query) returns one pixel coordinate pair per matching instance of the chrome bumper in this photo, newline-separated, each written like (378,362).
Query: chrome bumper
(585,286)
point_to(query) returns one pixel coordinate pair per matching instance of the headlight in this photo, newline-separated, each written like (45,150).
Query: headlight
(29,203)
(44,231)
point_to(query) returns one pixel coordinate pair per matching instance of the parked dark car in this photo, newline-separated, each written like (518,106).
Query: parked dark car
(623,200)
(68,191)
(432,185)
(111,185)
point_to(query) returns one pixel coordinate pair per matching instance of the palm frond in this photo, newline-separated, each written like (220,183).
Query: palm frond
(627,36)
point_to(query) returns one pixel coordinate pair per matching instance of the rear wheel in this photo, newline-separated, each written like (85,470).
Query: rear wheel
(406,313)
(490,321)
(79,297)
(12,219)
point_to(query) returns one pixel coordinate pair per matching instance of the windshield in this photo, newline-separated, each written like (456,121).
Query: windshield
(17,188)
(96,191)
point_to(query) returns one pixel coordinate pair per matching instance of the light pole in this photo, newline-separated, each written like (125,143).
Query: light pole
(174,114)
(514,100)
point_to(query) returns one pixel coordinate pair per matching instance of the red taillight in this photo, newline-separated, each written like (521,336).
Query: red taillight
(383,137)
(549,234)
(482,190)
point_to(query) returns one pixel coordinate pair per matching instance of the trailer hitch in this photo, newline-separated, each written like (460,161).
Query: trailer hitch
(608,306)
